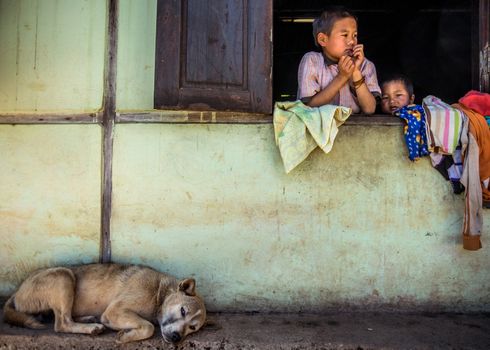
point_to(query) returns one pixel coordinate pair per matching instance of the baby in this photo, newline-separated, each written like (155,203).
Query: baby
(396,92)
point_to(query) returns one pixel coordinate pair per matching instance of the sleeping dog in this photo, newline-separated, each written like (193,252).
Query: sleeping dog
(127,298)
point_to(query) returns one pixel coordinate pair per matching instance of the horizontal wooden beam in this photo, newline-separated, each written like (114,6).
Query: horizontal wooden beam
(45,118)
(218,117)
(212,117)
(169,116)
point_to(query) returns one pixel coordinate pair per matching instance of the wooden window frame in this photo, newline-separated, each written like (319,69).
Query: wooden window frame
(481,75)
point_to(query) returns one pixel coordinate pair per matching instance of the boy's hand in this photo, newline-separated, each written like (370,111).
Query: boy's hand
(346,66)
(358,55)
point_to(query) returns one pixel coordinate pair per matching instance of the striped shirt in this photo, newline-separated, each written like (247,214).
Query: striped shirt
(314,75)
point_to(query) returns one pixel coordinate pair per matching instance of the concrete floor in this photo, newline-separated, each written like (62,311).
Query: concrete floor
(346,330)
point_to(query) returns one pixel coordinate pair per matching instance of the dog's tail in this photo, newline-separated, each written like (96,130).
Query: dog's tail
(17,318)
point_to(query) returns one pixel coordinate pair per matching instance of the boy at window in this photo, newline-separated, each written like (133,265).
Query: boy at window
(396,92)
(340,74)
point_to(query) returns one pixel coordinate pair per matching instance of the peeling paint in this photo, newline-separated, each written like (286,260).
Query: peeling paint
(49,198)
(214,202)
(37,42)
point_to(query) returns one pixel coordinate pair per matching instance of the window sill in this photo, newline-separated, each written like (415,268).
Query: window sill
(192,117)
(176,117)
(223,117)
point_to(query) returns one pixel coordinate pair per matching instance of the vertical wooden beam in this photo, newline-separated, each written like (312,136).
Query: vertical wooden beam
(484,45)
(475,44)
(109,115)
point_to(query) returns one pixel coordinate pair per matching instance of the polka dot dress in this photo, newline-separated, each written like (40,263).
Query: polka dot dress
(414,130)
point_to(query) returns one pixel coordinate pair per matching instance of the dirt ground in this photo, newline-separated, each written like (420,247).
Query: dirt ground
(346,330)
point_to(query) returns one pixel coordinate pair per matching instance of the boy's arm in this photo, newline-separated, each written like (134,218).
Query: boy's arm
(366,100)
(325,96)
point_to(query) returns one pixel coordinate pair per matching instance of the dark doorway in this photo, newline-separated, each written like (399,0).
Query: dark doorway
(435,43)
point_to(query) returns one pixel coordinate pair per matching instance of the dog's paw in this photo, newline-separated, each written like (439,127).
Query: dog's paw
(123,336)
(97,329)
(34,324)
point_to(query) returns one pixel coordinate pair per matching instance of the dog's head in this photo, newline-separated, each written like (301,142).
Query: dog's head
(182,312)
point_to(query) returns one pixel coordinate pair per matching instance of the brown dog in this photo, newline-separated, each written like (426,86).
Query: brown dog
(124,298)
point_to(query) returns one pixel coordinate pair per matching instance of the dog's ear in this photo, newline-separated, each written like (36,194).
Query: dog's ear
(188,286)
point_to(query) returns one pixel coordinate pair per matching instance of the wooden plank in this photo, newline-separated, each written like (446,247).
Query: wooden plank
(214,55)
(56,118)
(484,45)
(215,30)
(228,117)
(260,55)
(167,53)
(193,117)
(109,114)
(475,44)
(177,116)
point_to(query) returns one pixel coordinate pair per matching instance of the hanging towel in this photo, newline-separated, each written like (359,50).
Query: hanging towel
(444,125)
(299,129)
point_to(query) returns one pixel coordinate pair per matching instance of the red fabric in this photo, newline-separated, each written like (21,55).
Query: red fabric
(477,101)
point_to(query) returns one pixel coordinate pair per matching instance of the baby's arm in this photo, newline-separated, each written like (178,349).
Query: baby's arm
(325,96)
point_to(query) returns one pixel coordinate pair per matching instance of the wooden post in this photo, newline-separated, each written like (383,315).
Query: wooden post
(109,115)
(484,45)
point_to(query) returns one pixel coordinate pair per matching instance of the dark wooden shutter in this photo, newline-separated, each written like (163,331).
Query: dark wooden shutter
(214,55)
(484,45)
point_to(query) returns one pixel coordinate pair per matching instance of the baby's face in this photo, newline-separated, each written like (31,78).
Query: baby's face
(394,96)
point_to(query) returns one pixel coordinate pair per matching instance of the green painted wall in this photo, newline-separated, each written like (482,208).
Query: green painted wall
(51,55)
(49,198)
(361,226)
(136,54)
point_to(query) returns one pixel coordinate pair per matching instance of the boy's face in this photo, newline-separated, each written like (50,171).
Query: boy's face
(342,39)
(394,96)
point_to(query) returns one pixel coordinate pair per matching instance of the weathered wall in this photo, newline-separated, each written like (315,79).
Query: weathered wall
(136,54)
(49,198)
(51,55)
(361,225)
(51,59)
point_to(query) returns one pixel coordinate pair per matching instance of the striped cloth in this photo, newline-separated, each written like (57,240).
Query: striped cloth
(444,124)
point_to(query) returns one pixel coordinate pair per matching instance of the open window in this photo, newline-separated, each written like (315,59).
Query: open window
(435,43)
(216,55)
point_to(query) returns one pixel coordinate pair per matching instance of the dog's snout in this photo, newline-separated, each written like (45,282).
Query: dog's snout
(175,337)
